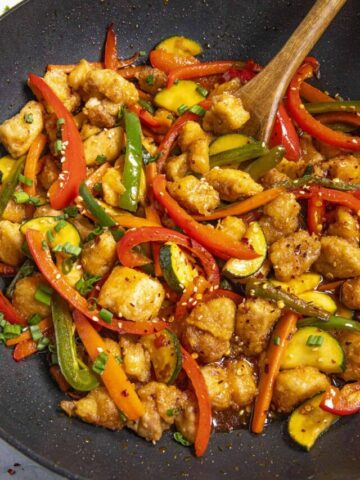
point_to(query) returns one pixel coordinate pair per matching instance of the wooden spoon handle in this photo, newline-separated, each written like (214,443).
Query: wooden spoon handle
(284,65)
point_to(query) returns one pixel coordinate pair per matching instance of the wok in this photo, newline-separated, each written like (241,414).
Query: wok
(63,31)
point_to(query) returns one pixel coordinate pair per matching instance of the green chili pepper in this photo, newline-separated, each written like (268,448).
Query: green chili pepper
(267,290)
(266,162)
(334,323)
(26,269)
(9,185)
(324,107)
(133,162)
(73,369)
(238,155)
(315,180)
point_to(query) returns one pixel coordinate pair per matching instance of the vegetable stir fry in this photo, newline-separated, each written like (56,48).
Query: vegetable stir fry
(179,274)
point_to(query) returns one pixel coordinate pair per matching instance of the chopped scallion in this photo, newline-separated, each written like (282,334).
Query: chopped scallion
(58,146)
(315,341)
(203,92)
(43,343)
(25,180)
(35,332)
(182,109)
(100,363)
(29,117)
(106,315)
(34,319)
(276,340)
(198,110)
(100,159)
(150,79)
(21,197)
(179,437)
(146,106)
(60,225)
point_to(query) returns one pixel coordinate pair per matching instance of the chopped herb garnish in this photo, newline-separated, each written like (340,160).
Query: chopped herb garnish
(60,121)
(182,109)
(119,359)
(121,112)
(98,230)
(100,363)
(150,80)
(122,416)
(86,284)
(203,92)
(142,53)
(29,117)
(106,315)
(147,158)
(25,180)
(11,331)
(146,106)
(68,248)
(92,303)
(71,211)
(276,340)
(46,289)
(21,197)
(97,187)
(58,146)
(67,266)
(44,245)
(315,340)
(43,295)
(198,110)
(35,332)
(60,225)
(43,343)
(50,236)
(100,159)
(170,412)
(179,437)
(25,270)
(34,319)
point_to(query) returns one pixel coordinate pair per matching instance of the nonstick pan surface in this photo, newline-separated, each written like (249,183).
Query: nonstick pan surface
(63,31)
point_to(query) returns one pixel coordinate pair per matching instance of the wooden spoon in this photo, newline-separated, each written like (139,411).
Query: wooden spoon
(262,95)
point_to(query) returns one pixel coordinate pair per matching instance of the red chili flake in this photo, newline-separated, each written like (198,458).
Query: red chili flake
(160,341)
(125,393)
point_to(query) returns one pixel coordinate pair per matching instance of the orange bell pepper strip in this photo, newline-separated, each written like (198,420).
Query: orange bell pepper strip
(167,61)
(10,314)
(203,432)
(114,378)
(42,257)
(111,54)
(31,163)
(66,188)
(306,121)
(215,241)
(44,325)
(256,201)
(131,221)
(312,94)
(198,70)
(270,370)
(24,350)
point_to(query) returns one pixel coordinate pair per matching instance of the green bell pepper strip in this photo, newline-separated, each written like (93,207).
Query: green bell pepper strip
(334,323)
(133,162)
(75,372)
(9,185)
(324,107)
(26,269)
(266,162)
(315,180)
(268,291)
(238,155)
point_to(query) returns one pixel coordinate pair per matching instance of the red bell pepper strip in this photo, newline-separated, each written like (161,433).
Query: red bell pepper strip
(114,378)
(167,61)
(315,214)
(222,292)
(43,260)
(66,188)
(305,120)
(284,133)
(342,402)
(111,54)
(217,242)
(198,70)
(204,423)
(132,259)
(145,116)
(344,117)
(10,314)
(245,73)
(346,199)
(313,94)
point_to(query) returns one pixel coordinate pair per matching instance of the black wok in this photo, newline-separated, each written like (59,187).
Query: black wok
(62,31)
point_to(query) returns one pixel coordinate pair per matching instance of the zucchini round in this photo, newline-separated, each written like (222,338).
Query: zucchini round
(6,164)
(176,268)
(68,233)
(165,355)
(235,268)
(227,142)
(320,299)
(185,92)
(308,422)
(179,45)
(304,349)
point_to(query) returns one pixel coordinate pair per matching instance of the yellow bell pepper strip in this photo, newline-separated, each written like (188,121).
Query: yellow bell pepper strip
(66,188)
(270,369)
(75,373)
(215,241)
(244,206)
(114,378)
(8,187)
(305,120)
(133,163)
(42,257)
(31,163)
(204,423)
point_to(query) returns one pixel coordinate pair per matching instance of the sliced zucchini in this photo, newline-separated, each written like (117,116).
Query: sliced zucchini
(309,421)
(180,45)
(311,346)
(183,93)
(235,268)
(227,142)
(301,284)
(176,267)
(68,233)
(165,355)
(320,299)
(6,164)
